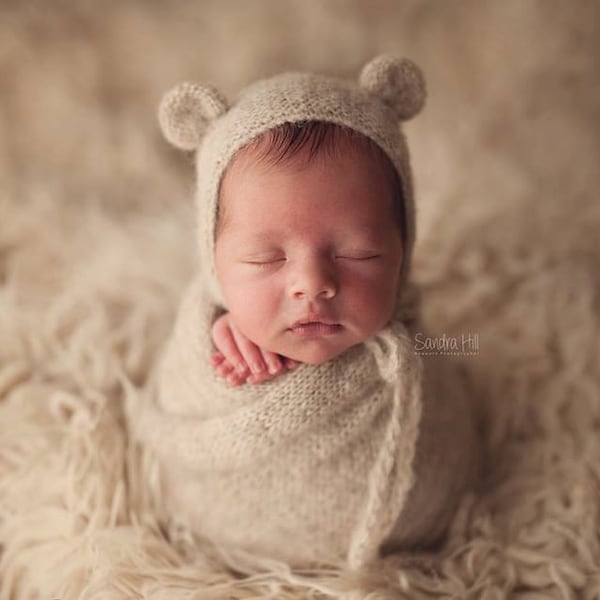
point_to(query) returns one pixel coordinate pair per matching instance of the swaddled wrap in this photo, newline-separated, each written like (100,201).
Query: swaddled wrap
(366,452)
(321,463)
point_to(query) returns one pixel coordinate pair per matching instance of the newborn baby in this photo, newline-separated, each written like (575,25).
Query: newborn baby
(351,446)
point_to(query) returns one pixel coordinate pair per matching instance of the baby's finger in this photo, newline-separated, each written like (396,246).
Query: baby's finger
(216,359)
(250,352)
(224,369)
(234,379)
(226,343)
(272,361)
(290,363)
(257,378)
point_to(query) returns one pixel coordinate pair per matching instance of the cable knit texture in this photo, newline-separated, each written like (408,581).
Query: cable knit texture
(369,451)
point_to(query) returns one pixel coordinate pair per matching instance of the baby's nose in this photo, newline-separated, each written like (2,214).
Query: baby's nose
(314,279)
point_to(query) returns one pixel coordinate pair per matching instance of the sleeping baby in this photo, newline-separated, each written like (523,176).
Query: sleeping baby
(292,417)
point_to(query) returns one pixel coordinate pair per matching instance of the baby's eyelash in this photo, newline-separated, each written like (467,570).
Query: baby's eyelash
(264,262)
(273,261)
(371,257)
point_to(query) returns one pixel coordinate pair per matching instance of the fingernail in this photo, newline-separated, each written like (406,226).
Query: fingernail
(256,368)
(274,367)
(240,368)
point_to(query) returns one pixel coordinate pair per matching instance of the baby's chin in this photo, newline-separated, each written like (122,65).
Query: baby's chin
(314,353)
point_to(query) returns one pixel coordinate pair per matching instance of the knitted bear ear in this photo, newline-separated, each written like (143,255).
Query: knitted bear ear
(399,82)
(186,111)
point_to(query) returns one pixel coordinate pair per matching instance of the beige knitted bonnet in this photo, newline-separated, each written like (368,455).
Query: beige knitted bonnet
(197,117)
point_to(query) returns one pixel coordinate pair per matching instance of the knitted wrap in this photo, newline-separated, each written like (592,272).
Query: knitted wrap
(322,464)
(368,451)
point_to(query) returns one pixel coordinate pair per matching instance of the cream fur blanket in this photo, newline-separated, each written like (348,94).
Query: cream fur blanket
(96,244)
(320,464)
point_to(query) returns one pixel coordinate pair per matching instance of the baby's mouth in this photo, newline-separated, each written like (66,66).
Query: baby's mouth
(315,329)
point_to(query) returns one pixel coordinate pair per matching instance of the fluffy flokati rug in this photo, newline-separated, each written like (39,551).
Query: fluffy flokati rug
(96,243)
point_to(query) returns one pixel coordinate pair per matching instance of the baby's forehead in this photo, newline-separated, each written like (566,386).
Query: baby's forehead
(299,146)
(265,155)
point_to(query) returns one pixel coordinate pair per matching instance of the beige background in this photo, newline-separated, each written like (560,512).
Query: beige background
(96,241)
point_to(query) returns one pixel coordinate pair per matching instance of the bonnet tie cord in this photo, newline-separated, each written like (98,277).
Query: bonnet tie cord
(392,476)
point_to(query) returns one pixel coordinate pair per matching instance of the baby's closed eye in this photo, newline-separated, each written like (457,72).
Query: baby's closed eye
(259,260)
(358,255)
(270,259)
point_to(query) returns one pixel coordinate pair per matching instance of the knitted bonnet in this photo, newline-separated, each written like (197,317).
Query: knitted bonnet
(196,116)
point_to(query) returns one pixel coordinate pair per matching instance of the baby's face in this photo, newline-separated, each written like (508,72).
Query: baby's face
(314,241)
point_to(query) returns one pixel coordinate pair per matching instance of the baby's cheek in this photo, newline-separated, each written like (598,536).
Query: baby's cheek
(371,302)
(255,312)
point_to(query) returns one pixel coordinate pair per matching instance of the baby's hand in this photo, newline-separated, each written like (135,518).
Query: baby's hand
(241,361)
